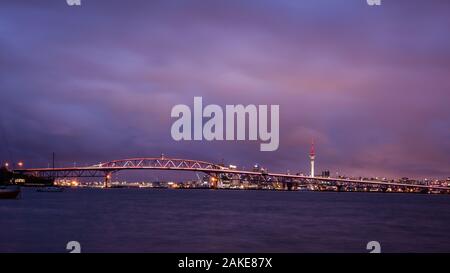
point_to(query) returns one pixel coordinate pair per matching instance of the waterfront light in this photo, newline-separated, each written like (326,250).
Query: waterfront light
(20,164)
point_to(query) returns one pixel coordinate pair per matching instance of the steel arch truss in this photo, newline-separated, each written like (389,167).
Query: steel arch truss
(158,163)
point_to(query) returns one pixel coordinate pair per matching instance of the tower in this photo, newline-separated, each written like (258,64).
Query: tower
(312,156)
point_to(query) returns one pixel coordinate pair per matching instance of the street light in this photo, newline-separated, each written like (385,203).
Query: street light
(20,164)
(6,164)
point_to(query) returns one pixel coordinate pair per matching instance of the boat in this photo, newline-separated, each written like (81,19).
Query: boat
(9,191)
(50,189)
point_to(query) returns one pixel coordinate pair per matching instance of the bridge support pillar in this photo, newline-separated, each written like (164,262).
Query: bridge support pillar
(290,185)
(108,177)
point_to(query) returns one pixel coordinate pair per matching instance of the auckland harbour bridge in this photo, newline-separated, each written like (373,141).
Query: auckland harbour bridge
(218,173)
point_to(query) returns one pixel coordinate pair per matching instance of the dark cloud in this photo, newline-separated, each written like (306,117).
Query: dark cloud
(98,82)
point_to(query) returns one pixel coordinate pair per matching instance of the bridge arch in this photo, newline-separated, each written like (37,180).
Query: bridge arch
(158,163)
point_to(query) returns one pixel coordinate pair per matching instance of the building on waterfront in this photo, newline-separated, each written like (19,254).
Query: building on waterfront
(326,173)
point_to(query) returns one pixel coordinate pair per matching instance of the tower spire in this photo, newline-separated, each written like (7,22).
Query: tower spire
(312,156)
(312,152)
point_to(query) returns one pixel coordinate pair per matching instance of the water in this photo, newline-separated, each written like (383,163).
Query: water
(145,220)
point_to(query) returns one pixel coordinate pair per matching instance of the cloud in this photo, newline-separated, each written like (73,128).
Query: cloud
(97,83)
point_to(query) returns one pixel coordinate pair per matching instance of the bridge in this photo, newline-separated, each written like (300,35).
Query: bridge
(216,172)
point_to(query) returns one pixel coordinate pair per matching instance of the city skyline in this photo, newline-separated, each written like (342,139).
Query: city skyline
(89,83)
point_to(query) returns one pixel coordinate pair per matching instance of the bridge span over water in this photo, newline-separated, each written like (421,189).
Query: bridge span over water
(215,171)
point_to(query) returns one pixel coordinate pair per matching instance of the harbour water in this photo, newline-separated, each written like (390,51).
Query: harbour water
(149,220)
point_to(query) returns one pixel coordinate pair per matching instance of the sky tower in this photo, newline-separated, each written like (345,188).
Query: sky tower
(312,156)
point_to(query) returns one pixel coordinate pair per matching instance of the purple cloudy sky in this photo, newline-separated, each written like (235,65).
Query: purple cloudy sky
(97,82)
